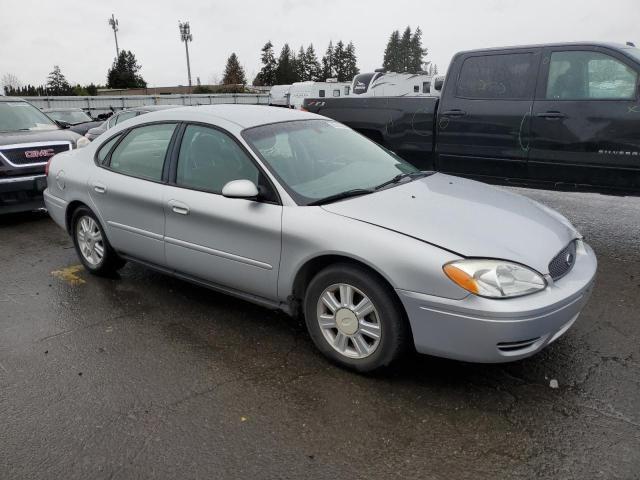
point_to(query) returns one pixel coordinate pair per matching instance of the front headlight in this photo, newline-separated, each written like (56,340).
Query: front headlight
(494,278)
(82,142)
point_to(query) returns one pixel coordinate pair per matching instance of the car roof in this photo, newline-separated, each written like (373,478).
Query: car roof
(151,108)
(243,116)
(49,110)
(613,45)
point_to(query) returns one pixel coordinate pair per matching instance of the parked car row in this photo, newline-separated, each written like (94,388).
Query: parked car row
(296,212)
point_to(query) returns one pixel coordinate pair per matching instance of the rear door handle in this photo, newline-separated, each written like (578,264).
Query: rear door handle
(551,115)
(179,207)
(100,188)
(454,113)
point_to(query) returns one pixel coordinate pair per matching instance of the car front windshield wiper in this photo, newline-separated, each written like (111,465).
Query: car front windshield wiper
(356,192)
(402,176)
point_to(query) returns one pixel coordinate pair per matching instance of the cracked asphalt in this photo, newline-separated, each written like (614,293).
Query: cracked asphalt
(145,376)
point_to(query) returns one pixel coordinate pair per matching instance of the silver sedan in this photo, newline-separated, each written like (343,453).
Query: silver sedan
(296,212)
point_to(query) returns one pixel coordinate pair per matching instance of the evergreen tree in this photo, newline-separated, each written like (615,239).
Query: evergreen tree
(57,83)
(233,72)
(301,65)
(285,72)
(416,52)
(339,61)
(391,62)
(313,69)
(351,63)
(92,89)
(405,50)
(267,75)
(328,63)
(124,73)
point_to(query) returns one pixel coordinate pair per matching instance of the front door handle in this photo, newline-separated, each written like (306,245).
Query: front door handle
(551,115)
(100,188)
(454,113)
(179,207)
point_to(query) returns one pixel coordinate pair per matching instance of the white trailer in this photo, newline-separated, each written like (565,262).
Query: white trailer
(392,84)
(279,95)
(301,90)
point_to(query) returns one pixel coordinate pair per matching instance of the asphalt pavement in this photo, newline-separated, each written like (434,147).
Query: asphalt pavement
(145,376)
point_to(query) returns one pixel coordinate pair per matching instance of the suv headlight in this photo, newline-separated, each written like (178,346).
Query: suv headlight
(82,142)
(494,278)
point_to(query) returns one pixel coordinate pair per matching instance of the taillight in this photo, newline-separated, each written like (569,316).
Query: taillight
(46,167)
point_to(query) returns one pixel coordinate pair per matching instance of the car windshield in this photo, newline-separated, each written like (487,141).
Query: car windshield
(70,116)
(22,116)
(316,159)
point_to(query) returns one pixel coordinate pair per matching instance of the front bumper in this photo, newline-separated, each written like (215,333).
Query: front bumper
(21,194)
(483,330)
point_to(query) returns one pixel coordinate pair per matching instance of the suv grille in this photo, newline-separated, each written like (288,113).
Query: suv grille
(25,155)
(563,262)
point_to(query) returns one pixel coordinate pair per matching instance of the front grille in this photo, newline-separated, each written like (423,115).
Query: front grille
(563,262)
(25,155)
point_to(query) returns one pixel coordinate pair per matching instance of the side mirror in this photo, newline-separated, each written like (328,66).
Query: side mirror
(240,189)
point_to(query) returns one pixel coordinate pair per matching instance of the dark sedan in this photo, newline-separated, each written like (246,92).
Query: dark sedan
(75,119)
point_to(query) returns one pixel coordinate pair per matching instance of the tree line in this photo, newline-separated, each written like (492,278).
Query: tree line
(403,53)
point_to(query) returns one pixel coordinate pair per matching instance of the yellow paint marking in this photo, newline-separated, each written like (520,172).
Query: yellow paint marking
(69,275)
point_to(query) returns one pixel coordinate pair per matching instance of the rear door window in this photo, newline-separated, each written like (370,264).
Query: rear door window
(500,77)
(142,152)
(585,75)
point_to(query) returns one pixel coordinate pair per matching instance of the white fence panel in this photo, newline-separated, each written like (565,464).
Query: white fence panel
(101,104)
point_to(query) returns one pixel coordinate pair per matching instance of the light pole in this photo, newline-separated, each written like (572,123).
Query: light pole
(114,24)
(186,37)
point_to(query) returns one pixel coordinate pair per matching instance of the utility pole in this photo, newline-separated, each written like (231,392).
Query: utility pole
(186,37)
(114,24)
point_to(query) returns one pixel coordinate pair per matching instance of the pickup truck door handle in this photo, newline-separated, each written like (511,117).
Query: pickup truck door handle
(551,115)
(179,207)
(100,188)
(454,113)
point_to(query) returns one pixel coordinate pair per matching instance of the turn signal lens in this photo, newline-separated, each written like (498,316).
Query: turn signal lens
(462,278)
(494,278)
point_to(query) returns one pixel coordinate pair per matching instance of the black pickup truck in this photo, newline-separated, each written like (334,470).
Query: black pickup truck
(28,140)
(563,115)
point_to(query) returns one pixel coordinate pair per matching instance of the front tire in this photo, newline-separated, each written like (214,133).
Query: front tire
(92,245)
(354,319)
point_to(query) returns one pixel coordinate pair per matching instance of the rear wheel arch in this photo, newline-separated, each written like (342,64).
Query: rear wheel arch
(71,208)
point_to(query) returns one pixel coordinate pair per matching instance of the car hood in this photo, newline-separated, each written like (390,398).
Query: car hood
(12,138)
(469,218)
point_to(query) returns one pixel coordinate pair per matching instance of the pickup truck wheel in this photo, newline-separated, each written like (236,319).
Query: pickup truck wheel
(353,318)
(92,245)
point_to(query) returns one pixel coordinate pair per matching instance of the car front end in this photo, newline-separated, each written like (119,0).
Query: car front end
(491,330)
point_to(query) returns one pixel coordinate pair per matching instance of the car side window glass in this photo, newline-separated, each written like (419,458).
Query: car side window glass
(584,75)
(209,159)
(103,153)
(125,116)
(500,77)
(141,153)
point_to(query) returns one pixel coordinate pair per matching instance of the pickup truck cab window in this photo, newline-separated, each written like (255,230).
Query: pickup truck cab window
(209,159)
(501,76)
(141,153)
(586,75)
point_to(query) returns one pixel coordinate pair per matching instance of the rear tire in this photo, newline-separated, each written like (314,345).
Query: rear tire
(354,319)
(92,246)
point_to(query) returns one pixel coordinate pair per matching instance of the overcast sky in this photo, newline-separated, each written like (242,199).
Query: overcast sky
(35,35)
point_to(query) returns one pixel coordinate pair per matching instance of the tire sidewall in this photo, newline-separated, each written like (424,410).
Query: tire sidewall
(391,316)
(106,258)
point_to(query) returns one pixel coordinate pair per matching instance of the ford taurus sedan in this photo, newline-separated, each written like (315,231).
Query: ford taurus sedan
(296,212)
